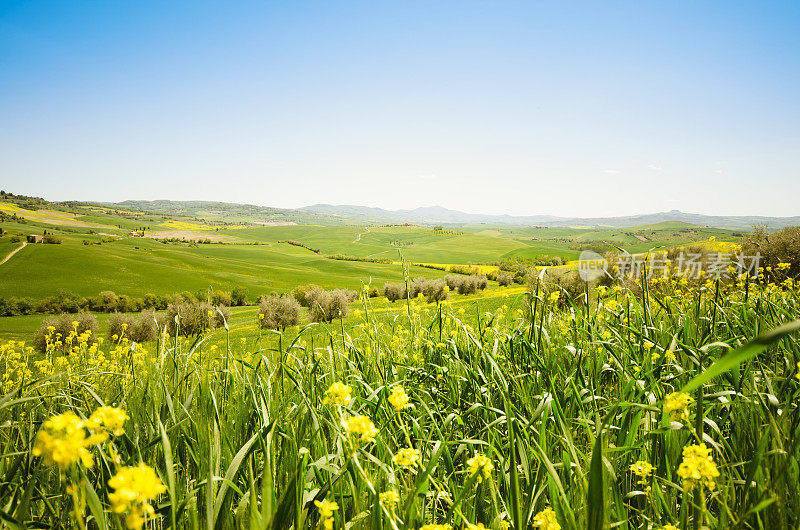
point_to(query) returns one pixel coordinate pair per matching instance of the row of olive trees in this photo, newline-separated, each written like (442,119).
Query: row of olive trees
(432,290)
(185,318)
(466,284)
(281,311)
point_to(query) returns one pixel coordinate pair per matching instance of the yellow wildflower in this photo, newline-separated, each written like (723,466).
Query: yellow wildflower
(62,441)
(546,520)
(643,470)
(361,425)
(133,487)
(436,527)
(480,465)
(406,457)
(326,509)
(338,394)
(399,399)
(698,467)
(654,357)
(389,499)
(677,405)
(110,418)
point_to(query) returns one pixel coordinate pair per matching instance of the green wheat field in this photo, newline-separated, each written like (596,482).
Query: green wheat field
(193,378)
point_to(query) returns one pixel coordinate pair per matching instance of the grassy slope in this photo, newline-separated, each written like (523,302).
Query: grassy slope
(137,266)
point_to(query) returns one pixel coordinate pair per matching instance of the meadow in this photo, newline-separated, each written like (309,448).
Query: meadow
(644,403)
(97,252)
(659,404)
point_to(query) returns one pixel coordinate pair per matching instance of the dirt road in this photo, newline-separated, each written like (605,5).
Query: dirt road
(11,254)
(358,238)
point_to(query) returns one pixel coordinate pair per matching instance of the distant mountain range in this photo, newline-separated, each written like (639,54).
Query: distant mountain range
(350,214)
(437,214)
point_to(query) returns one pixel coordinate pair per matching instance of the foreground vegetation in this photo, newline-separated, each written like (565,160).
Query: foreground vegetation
(645,406)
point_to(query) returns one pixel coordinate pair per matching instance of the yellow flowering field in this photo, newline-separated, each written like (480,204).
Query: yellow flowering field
(175,224)
(649,404)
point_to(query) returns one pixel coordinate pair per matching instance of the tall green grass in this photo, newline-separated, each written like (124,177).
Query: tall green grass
(561,400)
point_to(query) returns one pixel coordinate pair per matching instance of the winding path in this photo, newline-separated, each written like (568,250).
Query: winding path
(358,237)
(11,254)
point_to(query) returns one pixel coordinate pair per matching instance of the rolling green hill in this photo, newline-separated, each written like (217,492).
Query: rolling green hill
(101,249)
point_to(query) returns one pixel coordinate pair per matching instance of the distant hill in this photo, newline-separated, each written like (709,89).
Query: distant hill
(329,214)
(437,214)
(229,212)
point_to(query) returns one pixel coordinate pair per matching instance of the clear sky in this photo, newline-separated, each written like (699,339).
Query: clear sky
(562,108)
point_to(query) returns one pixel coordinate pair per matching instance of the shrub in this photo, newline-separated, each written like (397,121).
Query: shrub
(349,294)
(145,327)
(278,312)
(435,290)
(328,305)
(15,239)
(394,291)
(464,269)
(221,316)
(154,301)
(51,240)
(304,294)
(63,327)
(108,301)
(194,318)
(452,281)
(126,304)
(570,284)
(782,246)
(466,284)
(221,298)
(238,296)
(504,279)
(119,325)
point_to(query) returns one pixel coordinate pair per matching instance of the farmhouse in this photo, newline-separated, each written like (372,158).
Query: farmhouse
(134,233)
(34,238)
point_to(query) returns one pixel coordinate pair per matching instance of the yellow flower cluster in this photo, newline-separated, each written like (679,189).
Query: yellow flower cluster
(360,425)
(643,470)
(698,467)
(389,500)
(406,457)
(677,405)
(480,465)
(436,527)
(338,394)
(399,399)
(133,488)
(65,439)
(326,509)
(546,520)
(62,441)
(109,419)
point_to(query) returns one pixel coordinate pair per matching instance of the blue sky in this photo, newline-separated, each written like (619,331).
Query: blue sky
(563,108)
